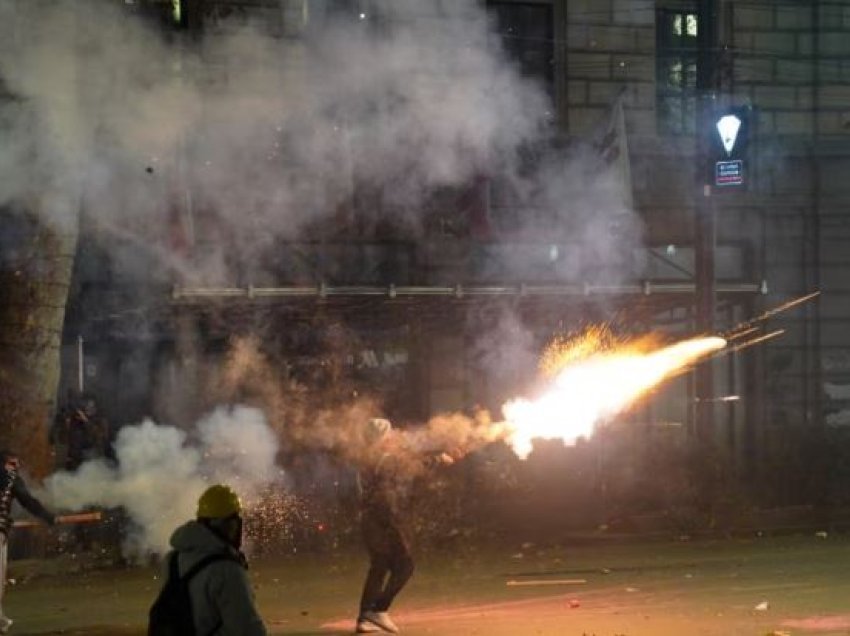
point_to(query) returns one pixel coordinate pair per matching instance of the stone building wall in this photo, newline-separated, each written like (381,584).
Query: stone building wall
(791,62)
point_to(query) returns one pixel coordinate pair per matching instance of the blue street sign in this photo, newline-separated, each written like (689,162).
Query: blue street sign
(729,173)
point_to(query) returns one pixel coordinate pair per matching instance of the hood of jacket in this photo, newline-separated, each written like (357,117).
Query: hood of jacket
(193,541)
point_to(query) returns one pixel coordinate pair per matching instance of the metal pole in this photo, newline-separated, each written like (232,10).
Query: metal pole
(813,313)
(705,220)
(81,383)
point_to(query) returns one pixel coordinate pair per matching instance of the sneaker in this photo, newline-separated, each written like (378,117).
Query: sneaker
(366,627)
(382,620)
(5,624)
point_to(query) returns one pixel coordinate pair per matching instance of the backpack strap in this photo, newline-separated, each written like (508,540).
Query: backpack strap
(174,570)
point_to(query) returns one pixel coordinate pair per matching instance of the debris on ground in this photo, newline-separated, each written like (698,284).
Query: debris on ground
(533,582)
(762,607)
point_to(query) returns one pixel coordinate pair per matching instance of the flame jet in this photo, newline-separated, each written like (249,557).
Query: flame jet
(596,377)
(589,391)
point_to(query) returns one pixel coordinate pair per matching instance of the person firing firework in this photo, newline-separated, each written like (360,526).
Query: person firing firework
(382,523)
(13,488)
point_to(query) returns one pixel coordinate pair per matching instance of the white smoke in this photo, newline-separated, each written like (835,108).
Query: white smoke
(161,471)
(263,136)
(260,139)
(257,137)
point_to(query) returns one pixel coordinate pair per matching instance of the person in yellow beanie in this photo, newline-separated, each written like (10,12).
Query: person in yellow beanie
(208,562)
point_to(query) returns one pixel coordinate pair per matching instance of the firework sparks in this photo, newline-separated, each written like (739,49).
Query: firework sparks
(594,387)
(274,520)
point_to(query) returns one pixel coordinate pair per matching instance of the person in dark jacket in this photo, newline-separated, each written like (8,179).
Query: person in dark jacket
(86,434)
(222,600)
(390,562)
(13,488)
(384,483)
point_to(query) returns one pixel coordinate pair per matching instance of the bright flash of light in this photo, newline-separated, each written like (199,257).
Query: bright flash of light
(588,391)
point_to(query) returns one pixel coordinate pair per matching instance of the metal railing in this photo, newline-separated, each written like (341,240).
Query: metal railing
(322,290)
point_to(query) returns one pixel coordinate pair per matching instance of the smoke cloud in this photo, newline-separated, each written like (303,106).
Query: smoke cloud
(256,138)
(317,424)
(236,140)
(161,471)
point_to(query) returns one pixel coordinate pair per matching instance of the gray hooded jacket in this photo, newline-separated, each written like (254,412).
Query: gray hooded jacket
(222,600)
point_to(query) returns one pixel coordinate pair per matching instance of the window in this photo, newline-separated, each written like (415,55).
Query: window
(527,33)
(676,71)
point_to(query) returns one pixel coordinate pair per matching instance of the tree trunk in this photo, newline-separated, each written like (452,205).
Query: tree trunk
(47,104)
(34,282)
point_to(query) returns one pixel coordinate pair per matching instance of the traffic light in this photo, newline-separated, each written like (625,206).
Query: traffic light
(728,149)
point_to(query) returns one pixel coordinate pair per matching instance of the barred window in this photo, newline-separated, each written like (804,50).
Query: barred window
(676,71)
(527,33)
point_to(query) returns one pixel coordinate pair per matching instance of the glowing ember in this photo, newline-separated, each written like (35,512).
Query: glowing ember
(590,390)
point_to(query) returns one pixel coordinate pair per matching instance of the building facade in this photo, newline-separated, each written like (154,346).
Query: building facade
(452,315)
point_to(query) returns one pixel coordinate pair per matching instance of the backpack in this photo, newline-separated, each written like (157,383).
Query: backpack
(171,612)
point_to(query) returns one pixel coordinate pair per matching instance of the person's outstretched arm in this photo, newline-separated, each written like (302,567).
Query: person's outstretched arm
(30,503)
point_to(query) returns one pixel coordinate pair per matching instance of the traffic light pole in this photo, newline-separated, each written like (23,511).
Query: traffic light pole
(705,231)
(705,223)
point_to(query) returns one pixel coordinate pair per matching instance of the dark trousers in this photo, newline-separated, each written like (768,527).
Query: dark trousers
(390,564)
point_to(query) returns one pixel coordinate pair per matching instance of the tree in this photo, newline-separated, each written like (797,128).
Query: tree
(41,102)
(35,275)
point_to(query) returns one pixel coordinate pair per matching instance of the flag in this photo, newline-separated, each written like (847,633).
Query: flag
(611,142)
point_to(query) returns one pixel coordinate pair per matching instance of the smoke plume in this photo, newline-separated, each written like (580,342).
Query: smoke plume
(204,153)
(161,471)
(237,139)
(315,424)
